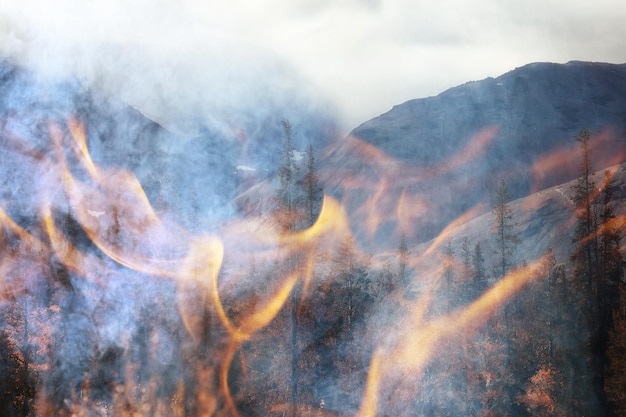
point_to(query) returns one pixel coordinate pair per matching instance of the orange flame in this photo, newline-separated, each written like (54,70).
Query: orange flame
(419,339)
(114,212)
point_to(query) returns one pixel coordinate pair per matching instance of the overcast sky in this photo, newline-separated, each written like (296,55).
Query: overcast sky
(363,55)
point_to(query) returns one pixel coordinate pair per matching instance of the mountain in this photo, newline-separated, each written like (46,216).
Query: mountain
(458,145)
(189,174)
(544,220)
(185,290)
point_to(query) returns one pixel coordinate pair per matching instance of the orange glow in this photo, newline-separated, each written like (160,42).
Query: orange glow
(476,146)
(370,399)
(379,190)
(449,230)
(198,274)
(210,271)
(564,162)
(410,208)
(78,133)
(551,165)
(418,340)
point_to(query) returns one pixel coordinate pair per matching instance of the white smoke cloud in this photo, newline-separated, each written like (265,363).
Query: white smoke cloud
(365,55)
(173,65)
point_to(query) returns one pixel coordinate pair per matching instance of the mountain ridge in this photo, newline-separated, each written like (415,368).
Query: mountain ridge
(531,115)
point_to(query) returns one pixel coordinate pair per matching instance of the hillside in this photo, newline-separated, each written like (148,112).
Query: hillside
(544,220)
(150,270)
(450,151)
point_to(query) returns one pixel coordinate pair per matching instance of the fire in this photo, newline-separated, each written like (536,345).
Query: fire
(226,306)
(380,191)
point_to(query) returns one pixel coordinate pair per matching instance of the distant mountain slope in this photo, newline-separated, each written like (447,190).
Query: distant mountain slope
(535,108)
(545,219)
(518,127)
(191,174)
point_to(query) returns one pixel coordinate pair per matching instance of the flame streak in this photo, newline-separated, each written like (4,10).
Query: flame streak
(419,339)
(116,215)
(384,182)
(125,214)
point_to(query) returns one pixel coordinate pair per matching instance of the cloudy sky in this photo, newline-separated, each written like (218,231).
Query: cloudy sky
(362,55)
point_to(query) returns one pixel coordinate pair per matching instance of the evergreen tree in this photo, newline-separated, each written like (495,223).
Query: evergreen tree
(610,256)
(479,275)
(289,212)
(468,285)
(448,266)
(506,239)
(312,188)
(14,390)
(466,257)
(298,200)
(289,216)
(597,261)
(584,237)
(403,264)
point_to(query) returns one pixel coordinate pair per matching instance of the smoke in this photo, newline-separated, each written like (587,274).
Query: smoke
(188,112)
(161,105)
(183,71)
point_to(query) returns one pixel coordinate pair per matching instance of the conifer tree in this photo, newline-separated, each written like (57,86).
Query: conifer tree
(610,255)
(403,264)
(289,216)
(597,262)
(448,265)
(583,199)
(466,257)
(289,213)
(469,286)
(479,276)
(506,239)
(312,188)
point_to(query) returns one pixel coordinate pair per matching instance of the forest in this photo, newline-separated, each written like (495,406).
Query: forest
(119,313)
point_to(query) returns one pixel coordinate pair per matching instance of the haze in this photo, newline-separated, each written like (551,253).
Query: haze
(364,56)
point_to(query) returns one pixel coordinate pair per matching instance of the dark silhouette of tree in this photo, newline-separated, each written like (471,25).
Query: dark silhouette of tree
(448,275)
(610,256)
(506,241)
(597,264)
(298,200)
(289,215)
(289,212)
(403,265)
(584,237)
(312,188)
(505,237)
(478,271)
(466,256)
